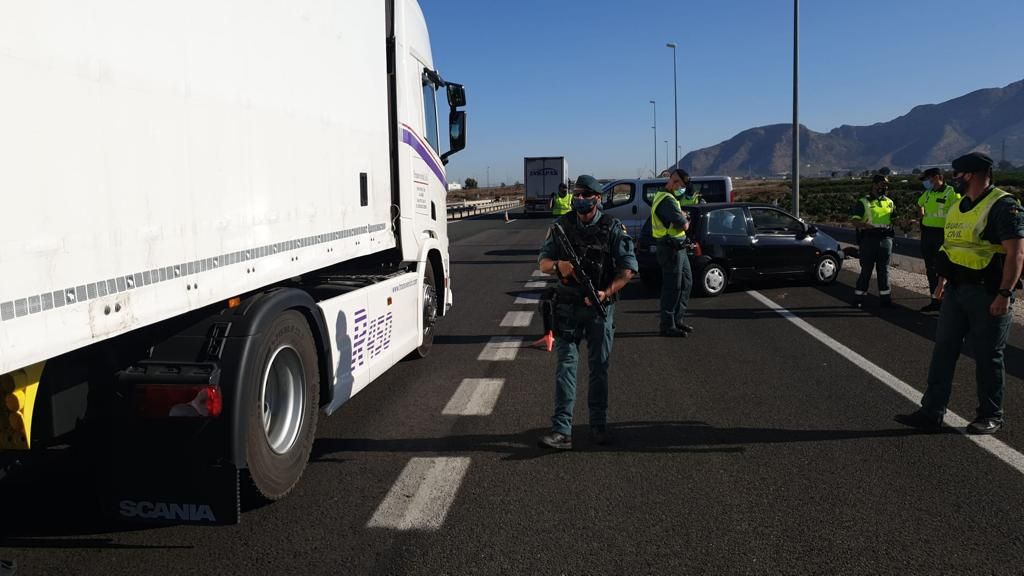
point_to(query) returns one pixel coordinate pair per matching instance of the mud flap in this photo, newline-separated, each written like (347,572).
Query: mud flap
(166,494)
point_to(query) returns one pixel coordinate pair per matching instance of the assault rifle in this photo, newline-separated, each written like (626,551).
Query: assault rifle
(577,264)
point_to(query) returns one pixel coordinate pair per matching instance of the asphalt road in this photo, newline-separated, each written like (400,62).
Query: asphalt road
(750,448)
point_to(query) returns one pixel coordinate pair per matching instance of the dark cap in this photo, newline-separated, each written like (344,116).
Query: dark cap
(879,178)
(589,182)
(929,173)
(973,162)
(682,174)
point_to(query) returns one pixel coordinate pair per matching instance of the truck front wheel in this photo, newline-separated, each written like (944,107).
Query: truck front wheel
(282,412)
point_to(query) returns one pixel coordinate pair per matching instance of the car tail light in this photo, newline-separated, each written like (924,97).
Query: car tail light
(178,401)
(697,250)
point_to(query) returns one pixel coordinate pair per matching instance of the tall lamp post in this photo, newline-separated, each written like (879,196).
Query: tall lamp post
(667,165)
(675,90)
(796,108)
(654,125)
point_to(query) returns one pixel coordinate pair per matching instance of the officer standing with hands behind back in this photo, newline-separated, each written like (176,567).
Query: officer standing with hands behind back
(606,251)
(979,268)
(937,199)
(872,217)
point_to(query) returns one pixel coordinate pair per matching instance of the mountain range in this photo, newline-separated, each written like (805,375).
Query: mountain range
(929,134)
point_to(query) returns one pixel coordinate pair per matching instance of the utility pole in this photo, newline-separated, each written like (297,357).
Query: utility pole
(796,108)
(667,165)
(654,125)
(675,92)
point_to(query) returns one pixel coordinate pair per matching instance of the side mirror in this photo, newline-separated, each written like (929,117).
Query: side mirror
(456,134)
(811,230)
(456,95)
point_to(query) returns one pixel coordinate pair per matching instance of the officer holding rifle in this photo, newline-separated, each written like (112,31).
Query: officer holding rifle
(593,258)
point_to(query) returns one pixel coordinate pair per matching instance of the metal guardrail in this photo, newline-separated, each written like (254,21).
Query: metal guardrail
(465,211)
(903,245)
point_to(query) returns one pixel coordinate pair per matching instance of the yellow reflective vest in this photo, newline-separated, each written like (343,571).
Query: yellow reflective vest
(877,212)
(962,240)
(658,228)
(936,204)
(561,205)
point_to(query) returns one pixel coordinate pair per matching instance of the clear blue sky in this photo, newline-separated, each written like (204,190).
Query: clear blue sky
(574,77)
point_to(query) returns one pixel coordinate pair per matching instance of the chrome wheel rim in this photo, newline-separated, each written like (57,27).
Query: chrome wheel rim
(714,280)
(283,399)
(826,269)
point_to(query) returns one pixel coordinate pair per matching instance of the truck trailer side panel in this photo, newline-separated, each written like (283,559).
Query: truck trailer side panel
(160,158)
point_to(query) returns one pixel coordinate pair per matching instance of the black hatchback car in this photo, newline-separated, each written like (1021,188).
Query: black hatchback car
(743,241)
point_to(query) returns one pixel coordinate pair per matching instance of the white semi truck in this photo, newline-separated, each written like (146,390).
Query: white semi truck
(542,175)
(219,222)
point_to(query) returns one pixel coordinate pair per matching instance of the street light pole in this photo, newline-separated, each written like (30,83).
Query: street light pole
(796,108)
(488,176)
(654,125)
(675,91)
(667,165)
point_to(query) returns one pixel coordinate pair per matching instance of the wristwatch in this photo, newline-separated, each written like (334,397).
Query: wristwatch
(1005,293)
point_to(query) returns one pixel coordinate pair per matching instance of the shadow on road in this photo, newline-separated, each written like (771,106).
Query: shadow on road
(630,437)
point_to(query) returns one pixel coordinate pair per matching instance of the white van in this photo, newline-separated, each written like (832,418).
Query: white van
(630,200)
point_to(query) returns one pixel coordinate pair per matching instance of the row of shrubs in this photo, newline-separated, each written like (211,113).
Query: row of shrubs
(826,200)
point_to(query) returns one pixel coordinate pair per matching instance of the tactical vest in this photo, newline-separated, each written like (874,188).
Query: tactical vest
(877,212)
(561,205)
(593,244)
(936,204)
(962,240)
(658,228)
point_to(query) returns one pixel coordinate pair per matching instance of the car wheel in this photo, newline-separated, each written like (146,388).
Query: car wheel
(826,269)
(712,279)
(651,278)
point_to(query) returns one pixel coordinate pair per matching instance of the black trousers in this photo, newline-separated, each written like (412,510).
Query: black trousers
(931,241)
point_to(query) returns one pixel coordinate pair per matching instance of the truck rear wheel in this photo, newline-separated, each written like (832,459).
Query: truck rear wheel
(282,411)
(430,301)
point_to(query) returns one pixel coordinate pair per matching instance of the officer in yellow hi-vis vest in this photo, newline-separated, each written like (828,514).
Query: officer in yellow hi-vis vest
(934,203)
(872,216)
(668,227)
(979,268)
(561,203)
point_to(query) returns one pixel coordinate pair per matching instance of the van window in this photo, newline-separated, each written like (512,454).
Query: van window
(651,189)
(619,195)
(711,190)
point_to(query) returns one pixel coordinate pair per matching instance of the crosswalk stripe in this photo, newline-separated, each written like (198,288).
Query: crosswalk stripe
(501,349)
(517,319)
(420,498)
(475,397)
(538,284)
(539,274)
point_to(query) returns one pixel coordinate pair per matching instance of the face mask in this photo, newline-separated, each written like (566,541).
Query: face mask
(928,185)
(583,205)
(960,185)
(681,191)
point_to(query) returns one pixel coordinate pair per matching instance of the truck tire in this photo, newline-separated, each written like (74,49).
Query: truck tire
(282,411)
(429,311)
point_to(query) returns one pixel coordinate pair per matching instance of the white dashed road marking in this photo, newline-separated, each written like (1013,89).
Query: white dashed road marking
(538,284)
(996,447)
(420,498)
(517,319)
(501,349)
(528,298)
(475,397)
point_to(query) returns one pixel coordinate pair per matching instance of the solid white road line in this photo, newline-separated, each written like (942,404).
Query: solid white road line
(420,498)
(998,448)
(501,349)
(537,284)
(475,397)
(527,298)
(517,319)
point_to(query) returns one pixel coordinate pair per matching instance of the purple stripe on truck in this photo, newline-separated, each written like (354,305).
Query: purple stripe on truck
(410,138)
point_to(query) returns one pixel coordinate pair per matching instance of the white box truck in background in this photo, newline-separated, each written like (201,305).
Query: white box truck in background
(542,176)
(219,220)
